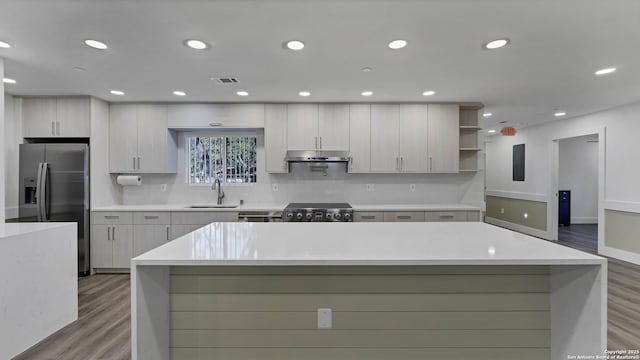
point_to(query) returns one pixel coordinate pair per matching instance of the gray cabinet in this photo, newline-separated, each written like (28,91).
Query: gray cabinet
(150,230)
(368,216)
(360,138)
(404,216)
(52,117)
(111,240)
(275,138)
(184,222)
(140,141)
(443,138)
(385,138)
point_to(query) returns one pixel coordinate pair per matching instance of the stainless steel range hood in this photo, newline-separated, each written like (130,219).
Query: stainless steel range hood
(315,156)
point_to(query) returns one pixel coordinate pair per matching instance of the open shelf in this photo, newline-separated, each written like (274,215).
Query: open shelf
(469,146)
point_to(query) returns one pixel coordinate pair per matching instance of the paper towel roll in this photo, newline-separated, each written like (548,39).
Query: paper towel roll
(129,180)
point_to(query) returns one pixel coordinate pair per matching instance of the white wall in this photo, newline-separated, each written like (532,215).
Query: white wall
(578,172)
(3,170)
(302,185)
(104,191)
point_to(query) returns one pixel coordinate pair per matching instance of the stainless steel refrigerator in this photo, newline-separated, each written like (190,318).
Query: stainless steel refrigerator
(54,186)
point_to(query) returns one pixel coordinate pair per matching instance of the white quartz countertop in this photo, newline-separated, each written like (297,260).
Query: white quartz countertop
(280,207)
(13,229)
(392,244)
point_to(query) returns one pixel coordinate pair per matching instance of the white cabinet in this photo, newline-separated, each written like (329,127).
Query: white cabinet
(318,127)
(333,127)
(360,138)
(56,117)
(111,240)
(205,116)
(150,230)
(413,138)
(384,138)
(444,138)
(368,216)
(404,216)
(184,222)
(139,140)
(302,126)
(275,138)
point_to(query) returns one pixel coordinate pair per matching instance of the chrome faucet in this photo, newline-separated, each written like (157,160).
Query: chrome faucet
(217,185)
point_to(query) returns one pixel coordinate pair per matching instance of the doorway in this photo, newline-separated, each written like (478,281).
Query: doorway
(577,190)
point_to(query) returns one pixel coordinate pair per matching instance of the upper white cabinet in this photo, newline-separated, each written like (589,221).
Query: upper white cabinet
(56,117)
(360,138)
(139,140)
(385,127)
(205,116)
(275,138)
(413,138)
(318,127)
(444,137)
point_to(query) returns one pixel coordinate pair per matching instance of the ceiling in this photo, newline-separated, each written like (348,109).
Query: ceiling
(556,45)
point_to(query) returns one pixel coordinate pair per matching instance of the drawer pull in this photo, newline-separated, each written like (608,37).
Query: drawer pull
(446,216)
(403,217)
(112,217)
(151,217)
(368,217)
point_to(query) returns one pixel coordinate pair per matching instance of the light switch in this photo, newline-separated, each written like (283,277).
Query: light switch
(325,319)
(501,210)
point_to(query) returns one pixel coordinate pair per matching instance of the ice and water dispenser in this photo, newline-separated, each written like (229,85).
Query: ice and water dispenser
(30,188)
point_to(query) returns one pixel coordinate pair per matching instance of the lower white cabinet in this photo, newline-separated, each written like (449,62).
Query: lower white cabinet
(404,216)
(111,246)
(150,230)
(416,216)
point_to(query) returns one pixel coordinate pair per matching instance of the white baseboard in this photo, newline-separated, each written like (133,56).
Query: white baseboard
(11,212)
(584,220)
(623,255)
(519,228)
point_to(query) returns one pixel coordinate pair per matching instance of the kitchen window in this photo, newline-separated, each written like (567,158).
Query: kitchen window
(232,159)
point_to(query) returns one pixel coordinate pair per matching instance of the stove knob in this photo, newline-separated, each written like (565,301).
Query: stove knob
(347,217)
(290,216)
(299,216)
(308,216)
(328,216)
(338,216)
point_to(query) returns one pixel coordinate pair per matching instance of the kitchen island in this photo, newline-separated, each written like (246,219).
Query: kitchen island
(367,291)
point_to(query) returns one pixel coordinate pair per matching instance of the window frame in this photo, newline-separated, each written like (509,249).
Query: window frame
(216,133)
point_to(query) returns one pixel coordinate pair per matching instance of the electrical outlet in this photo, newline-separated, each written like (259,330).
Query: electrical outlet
(369,187)
(412,187)
(163,187)
(501,210)
(325,319)
(274,187)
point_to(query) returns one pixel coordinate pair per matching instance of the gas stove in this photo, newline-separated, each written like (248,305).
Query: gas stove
(318,212)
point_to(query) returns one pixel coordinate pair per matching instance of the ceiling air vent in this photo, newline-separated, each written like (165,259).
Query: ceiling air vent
(225,80)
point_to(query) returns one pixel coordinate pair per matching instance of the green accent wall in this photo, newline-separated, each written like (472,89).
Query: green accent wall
(514,210)
(405,313)
(622,229)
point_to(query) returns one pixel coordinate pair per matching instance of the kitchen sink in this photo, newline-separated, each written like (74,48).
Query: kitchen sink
(213,206)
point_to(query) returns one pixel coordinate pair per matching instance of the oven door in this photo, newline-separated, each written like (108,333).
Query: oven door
(260,216)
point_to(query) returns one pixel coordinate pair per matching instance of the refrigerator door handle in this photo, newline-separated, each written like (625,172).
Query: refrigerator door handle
(45,193)
(38,193)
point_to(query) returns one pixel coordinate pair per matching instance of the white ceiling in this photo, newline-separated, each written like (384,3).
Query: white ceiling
(556,45)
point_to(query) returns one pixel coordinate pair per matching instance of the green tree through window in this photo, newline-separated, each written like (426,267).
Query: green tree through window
(231,159)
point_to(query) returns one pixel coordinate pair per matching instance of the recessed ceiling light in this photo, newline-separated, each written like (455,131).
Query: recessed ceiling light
(196,44)
(605,71)
(367,93)
(95,44)
(304,93)
(117,92)
(366,69)
(179,93)
(8,81)
(428,93)
(491,131)
(496,44)
(242,93)
(487,114)
(397,44)
(560,113)
(295,45)
(4,45)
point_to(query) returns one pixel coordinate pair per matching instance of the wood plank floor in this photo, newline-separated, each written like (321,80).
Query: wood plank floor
(103,331)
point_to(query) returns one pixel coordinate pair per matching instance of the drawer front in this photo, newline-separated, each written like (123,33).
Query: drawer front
(403,216)
(202,218)
(111,218)
(444,216)
(473,215)
(152,218)
(368,216)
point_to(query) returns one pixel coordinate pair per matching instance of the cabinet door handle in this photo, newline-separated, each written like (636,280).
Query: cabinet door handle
(168,234)
(112,217)
(213,124)
(316,140)
(446,216)
(53,128)
(109,233)
(403,217)
(430,163)
(401,162)
(113,231)
(397,167)
(320,142)
(149,217)
(368,217)
(138,162)
(58,128)
(134,163)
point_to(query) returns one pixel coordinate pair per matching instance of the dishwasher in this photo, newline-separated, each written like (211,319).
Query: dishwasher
(260,216)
